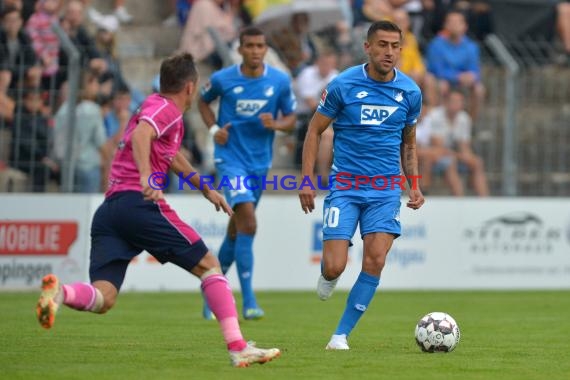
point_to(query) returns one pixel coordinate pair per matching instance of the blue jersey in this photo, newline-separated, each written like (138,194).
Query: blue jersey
(242,100)
(369,119)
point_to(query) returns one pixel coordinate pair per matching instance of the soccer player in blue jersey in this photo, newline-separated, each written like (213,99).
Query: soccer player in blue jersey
(374,107)
(255,101)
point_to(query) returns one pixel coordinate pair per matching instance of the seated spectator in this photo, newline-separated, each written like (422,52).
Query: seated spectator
(113,78)
(73,24)
(196,38)
(30,140)
(296,45)
(411,61)
(89,149)
(435,159)
(451,129)
(453,58)
(44,40)
(17,57)
(308,86)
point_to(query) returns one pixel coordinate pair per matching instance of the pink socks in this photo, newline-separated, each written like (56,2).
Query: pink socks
(221,301)
(80,296)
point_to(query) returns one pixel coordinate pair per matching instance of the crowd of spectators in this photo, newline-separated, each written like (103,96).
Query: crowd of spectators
(440,52)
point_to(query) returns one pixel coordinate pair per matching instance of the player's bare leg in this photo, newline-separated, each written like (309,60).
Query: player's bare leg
(335,257)
(376,247)
(219,296)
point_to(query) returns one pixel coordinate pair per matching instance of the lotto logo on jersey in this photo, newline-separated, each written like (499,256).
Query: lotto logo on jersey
(375,115)
(249,107)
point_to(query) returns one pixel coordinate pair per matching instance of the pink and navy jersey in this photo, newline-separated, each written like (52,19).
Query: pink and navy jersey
(166,118)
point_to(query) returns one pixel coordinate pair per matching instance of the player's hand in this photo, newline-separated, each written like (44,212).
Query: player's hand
(217,200)
(416,199)
(307,198)
(267,120)
(222,135)
(150,193)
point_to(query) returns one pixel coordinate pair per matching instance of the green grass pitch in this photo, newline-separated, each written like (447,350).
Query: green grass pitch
(504,335)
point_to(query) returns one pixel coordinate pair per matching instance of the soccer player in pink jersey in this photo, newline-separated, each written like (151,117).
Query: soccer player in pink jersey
(135,217)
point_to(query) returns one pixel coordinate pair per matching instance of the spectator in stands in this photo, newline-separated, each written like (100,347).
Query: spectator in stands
(196,38)
(73,24)
(478,15)
(411,61)
(308,86)
(451,129)
(44,40)
(435,159)
(296,45)
(89,149)
(30,142)
(118,116)
(454,60)
(17,57)
(106,44)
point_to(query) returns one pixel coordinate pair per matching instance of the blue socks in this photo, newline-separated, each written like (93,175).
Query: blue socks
(358,300)
(244,263)
(226,254)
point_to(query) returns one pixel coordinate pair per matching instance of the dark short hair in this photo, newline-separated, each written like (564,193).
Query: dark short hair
(387,26)
(176,71)
(250,31)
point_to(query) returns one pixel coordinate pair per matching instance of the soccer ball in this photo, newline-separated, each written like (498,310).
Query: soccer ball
(437,332)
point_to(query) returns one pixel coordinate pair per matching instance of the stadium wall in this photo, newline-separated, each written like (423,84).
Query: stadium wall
(451,243)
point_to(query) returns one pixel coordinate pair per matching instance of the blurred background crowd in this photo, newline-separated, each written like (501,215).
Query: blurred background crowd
(464,54)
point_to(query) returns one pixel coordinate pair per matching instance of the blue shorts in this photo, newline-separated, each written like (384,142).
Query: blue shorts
(125,225)
(341,215)
(241,185)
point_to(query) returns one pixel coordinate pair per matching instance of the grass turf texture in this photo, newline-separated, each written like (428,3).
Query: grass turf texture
(504,335)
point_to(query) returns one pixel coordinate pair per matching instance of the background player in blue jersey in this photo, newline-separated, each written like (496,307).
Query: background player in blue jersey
(374,108)
(255,101)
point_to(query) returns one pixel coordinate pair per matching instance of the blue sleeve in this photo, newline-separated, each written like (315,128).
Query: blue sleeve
(436,65)
(212,89)
(287,99)
(331,100)
(415,109)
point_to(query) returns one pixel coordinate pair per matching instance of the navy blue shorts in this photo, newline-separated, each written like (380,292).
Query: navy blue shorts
(125,225)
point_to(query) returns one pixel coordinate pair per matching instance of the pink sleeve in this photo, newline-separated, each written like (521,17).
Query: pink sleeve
(162,118)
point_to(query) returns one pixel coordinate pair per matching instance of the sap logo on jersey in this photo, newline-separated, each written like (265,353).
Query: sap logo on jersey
(249,107)
(375,115)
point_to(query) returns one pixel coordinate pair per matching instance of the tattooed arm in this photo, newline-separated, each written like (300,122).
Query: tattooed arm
(409,160)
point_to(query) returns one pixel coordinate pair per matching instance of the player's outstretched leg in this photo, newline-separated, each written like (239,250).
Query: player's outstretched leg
(358,300)
(219,296)
(244,263)
(79,296)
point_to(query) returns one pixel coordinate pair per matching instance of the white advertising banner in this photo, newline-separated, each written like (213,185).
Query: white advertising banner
(41,234)
(451,243)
